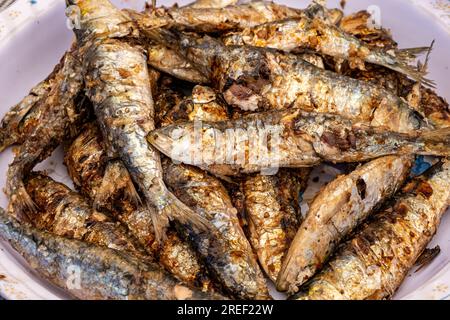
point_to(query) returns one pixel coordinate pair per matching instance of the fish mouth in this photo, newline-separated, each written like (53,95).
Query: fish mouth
(160,141)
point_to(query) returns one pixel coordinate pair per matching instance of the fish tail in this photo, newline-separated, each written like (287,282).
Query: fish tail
(409,54)
(404,57)
(177,210)
(437,142)
(21,205)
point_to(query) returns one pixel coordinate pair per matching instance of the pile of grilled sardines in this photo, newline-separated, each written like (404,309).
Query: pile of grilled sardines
(190,133)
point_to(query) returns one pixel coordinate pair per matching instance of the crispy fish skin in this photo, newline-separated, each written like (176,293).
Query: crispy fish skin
(261,79)
(337,209)
(317,35)
(61,115)
(273,214)
(357,24)
(19,122)
(118,83)
(66,213)
(104,273)
(107,184)
(233,17)
(231,259)
(373,263)
(298,139)
(85,160)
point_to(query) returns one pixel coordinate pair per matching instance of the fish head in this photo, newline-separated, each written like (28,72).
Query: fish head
(175,141)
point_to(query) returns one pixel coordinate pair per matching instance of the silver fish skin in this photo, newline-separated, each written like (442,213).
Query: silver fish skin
(297,139)
(337,209)
(258,79)
(233,17)
(105,274)
(118,84)
(316,35)
(374,262)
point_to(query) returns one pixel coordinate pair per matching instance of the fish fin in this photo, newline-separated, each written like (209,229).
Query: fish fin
(21,205)
(177,210)
(404,56)
(411,53)
(115,178)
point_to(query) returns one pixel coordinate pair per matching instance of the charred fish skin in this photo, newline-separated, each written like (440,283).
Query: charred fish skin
(228,255)
(117,82)
(167,99)
(62,111)
(380,255)
(262,79)
(339,207)
(272,211)
(299,139)
(107,184)
(317,35)
(104,273)
(85,160)
(65,213)
(210,20)
(22,118)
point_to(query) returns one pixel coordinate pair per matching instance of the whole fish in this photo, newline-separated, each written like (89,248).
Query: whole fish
(108,185)
(336,210)
(118,83)
(103,273)
(375,261)
(316,35)
(233,17)
(230,260)
(287,138)
(272,211)
(61,111)
(65,213)
(259,79)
